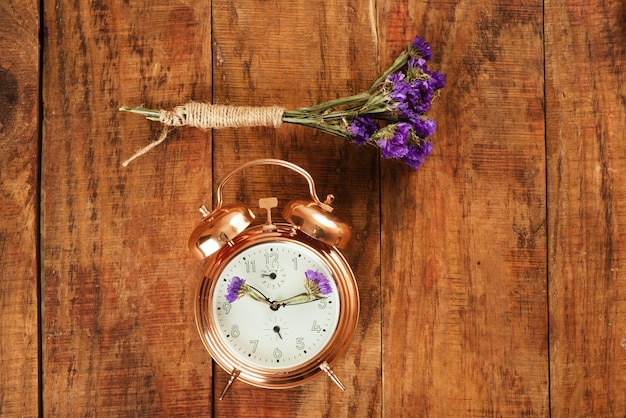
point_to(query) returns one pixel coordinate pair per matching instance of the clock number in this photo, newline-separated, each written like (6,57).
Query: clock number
(300,343)
(255,344)
(316,327)
(322,304)
(271,259)
(226,306)
(234,331)
(250,266)
(277,353)
(295,263)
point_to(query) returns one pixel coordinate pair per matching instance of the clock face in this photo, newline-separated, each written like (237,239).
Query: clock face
(275,323)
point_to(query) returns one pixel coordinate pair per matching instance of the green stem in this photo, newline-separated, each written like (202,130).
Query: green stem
(150,114)
(400,62)
(256,294)
(344,101)
(298,299)
(320,125)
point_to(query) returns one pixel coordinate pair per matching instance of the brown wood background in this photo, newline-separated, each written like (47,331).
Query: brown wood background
(492,279)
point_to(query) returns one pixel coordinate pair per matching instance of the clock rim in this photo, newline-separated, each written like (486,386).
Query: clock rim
(287,377)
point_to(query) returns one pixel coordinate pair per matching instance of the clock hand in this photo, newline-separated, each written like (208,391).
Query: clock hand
(256,294)
(276,329)
(316,286)
(298,299)
(238,288)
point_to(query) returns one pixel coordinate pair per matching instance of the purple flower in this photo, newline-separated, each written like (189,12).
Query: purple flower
(396,77)
(362,128)
(414,158)
(400,89)
(437,80)
(236,289)
(395,146)
(422,48)
(423,126)
(321,282)
(420,96)
(418,63)
(411,98)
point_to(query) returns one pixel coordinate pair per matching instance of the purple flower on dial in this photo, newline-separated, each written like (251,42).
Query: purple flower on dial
(237,288)
(317,284)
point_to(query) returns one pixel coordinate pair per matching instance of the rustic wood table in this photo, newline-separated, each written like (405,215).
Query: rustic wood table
(492,278)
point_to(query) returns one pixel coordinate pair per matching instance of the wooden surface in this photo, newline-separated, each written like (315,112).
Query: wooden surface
(19,209)
(464,240)
(492,279)
(586,121)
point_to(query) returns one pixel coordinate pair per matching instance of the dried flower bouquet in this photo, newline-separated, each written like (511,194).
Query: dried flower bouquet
(390,115)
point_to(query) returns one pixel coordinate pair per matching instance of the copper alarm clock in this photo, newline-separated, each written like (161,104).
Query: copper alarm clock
(277,303)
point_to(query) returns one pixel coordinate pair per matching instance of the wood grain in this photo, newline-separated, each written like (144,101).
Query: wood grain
(490,279)
(19,208)
(464,238)
(119,284)
(299,54)
(586,121)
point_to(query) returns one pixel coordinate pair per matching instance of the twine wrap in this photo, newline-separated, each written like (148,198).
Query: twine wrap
(210,116)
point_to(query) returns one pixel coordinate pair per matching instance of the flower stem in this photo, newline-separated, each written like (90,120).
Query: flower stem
(150,114)
(298,299)
(402,59)
(318,124)
(344,101)
(257,295)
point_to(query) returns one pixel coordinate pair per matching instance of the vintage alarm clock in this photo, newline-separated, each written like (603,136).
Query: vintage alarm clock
(277,303)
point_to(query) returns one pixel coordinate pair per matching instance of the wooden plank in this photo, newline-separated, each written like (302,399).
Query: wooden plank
(464,238)
(19,198)
(585,90)
(119,284)
(298,54)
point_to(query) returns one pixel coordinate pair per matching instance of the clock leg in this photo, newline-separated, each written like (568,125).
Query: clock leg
(233,376)
(324,366)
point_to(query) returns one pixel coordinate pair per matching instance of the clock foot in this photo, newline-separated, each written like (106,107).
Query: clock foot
(324,366)
(233,376)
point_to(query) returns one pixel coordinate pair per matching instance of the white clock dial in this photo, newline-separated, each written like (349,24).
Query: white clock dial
(275,336)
